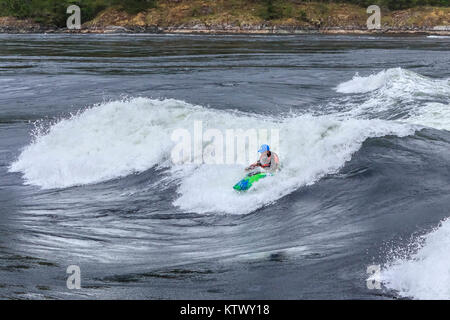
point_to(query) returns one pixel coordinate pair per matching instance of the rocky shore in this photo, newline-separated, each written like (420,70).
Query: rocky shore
(336,19)
(225,29)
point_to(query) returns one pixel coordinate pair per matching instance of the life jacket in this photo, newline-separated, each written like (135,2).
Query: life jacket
(269,160)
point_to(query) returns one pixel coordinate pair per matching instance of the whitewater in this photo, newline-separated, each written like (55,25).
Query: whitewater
(119,138)
(95,182)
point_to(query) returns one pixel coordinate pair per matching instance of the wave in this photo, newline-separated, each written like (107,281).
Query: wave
(397,94)
(403,95)
(433,115)
(310,148)
(360,84)
(101,143)
(396,82)
(119,138)
(110,140)
(425,274)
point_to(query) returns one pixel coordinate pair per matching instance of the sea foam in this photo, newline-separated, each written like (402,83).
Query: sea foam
(119,138)
(425,274)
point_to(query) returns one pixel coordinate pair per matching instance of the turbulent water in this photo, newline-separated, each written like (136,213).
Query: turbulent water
(87,177)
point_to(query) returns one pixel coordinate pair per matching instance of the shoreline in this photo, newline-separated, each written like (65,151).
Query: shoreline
(228,31)
(243,17)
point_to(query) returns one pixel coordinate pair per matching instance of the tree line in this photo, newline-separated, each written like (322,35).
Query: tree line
(54,11)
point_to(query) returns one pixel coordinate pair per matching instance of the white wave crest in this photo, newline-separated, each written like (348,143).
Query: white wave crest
(108,141)
(395,82)
(397,94)
(119,138)
(433,115)
(310,147)
(426,274)
(360,84)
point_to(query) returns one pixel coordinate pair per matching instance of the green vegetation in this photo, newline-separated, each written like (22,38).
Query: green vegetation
(53,12)
(279,9)
(275,10)
(399,4)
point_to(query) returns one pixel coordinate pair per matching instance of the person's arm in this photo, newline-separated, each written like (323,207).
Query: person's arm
(253,165)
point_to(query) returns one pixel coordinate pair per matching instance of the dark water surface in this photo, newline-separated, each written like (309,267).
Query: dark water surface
(143,231)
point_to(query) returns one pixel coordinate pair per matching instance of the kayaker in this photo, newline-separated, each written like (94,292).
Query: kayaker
(268,161)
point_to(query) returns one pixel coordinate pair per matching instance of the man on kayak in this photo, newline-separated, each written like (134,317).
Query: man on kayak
(268,161)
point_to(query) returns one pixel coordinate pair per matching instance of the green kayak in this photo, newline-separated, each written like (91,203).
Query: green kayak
(248,181)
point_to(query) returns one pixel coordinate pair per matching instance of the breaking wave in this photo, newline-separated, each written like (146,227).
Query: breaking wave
(425,274)
(397,94)
(119,138)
